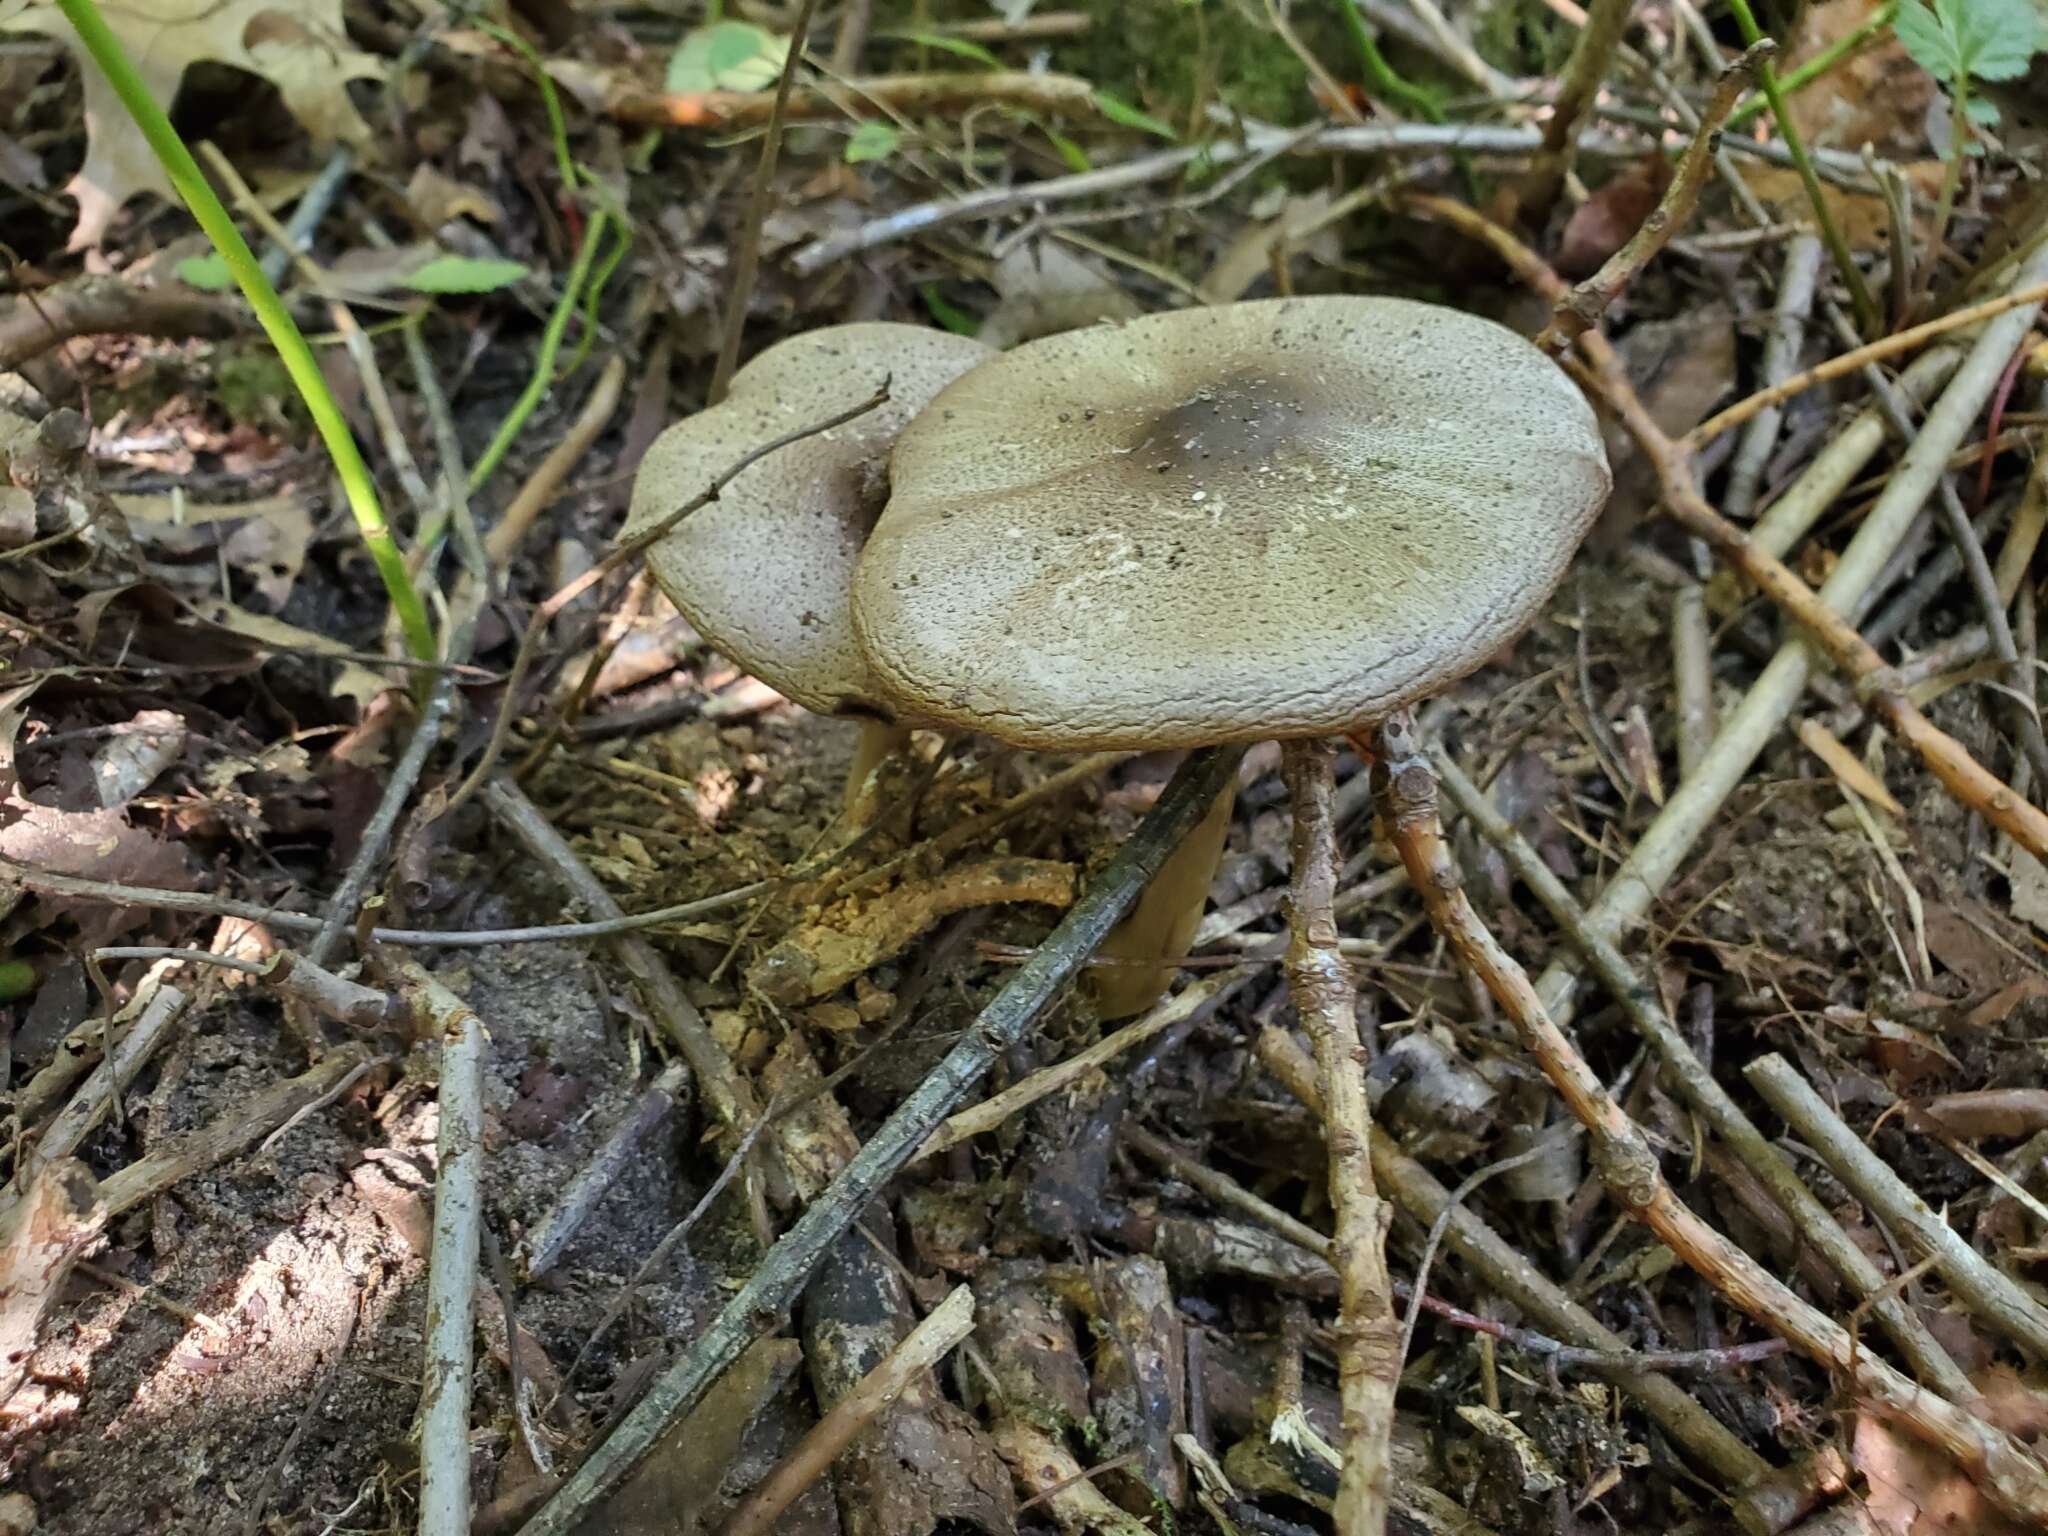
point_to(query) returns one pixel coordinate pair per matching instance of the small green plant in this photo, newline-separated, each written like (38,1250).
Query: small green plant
(1958,41)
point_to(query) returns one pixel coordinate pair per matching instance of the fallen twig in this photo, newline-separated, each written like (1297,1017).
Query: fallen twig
(1054,95)
(2001,1466)
(1326,1000)
(1798,278)
(922,1349)
(650,1107)
(782,1274)
(1190,1002)
(220,1139)
(444,1501)
(1701,1092)
(1992,1295)
(99,304)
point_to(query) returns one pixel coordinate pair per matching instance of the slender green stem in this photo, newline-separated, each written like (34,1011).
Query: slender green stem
(1379,73)
(1796,80)
(1951,179)
(558,127)
(1795,145)
(112,59)
(544,363)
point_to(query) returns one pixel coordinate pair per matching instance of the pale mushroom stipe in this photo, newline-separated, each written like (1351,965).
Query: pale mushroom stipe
(764,572)
(1280,518)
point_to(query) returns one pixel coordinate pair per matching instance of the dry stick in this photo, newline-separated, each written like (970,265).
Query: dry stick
(166,900)
(1326,1001)
(725,1091)
(744,269)
(97,1094)
(1965,778)
(557,1230)
(1581,308)
(1191,1001)
(1692,668)
(362,869)
(289,975)
(2027,295)
(220,1139)
(452,1269)
(505,536)
(1990,1293)
(1702,1093)
(99,304)
(891,95)
(1584,73)
(1505,1270)
(2002,1468)
(782,1275)
(625,553)
(1797,281)
(921,1349)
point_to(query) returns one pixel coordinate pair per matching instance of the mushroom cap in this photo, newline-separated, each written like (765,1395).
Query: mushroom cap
(1279,518)
(764,571)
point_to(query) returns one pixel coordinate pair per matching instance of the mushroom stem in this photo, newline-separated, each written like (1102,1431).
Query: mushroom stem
(879,741)
(1163,923)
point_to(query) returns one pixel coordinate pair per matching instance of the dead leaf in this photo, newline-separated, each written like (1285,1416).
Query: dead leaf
(1862,216)
(1603,223)
(1045,288)
(1681,368)
(1877,96)
(303,51)
(434,199)
(1250,256)
(130,761)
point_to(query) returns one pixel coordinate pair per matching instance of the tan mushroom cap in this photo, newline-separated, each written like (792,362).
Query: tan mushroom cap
(1285,517)
(764,572)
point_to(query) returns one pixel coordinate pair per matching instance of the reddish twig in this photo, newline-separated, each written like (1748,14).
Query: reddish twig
(1326,1000)
(2000,1465)
(1580,309)
(1605,373)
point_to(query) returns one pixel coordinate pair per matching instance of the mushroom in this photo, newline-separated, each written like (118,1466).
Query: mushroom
(1282,518)
(764,571)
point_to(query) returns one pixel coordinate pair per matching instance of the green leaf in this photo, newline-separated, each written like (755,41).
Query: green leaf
(1117,110)
(872,141)
(1982,112)
(208,273)
(1997,38)
(1960,39)
(464,274)
(1075,156)
(726,56)
(949,315)
(17,980)
(945,44)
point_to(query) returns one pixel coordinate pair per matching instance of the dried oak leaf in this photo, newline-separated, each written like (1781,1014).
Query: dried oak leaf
(297,45)
(1914,1490)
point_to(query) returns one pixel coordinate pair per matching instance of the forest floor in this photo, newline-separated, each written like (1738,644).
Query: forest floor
(250,894)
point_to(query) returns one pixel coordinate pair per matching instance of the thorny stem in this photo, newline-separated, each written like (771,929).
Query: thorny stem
(1859,292)
(2004,1469)
(106,50)
(782,1275)
(1326,1001)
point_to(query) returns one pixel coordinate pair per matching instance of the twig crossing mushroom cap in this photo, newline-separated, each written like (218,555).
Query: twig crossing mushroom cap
(1281,518)
(764,572)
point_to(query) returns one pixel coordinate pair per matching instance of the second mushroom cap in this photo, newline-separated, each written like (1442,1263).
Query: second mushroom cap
(1276,518)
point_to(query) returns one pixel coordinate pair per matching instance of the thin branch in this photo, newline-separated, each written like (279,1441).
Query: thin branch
(444,1501)
(1696,1087)
(739,292)
(1993,1296)
(2003,1468)
(1580,309)
(1326,1001)
(1584,73)
(625,553)
(783,1273)
(921,1349)
(2024,297)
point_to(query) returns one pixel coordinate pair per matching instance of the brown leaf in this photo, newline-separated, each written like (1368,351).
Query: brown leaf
(1603,223)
